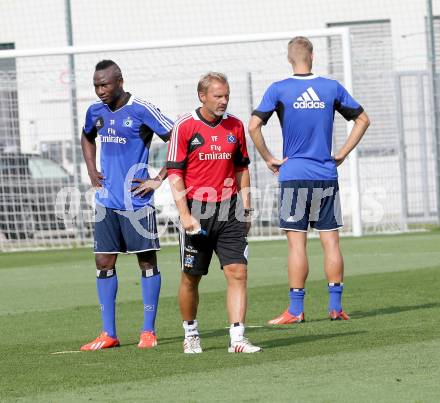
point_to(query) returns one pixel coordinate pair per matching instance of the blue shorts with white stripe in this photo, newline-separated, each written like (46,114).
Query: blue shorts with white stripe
(124,231)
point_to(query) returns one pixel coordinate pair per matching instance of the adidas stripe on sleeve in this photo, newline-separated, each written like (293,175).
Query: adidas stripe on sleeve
(154,118)
(178,146)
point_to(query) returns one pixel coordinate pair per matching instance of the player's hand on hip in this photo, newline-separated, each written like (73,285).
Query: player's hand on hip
(274,164)
(96,178)
(145,186)
(338,159)
(189,224)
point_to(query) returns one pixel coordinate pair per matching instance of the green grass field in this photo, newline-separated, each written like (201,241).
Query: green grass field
(388,352)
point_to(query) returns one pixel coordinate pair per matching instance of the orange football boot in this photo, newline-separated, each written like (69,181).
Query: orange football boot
(147,340)
(101,342)
(338,315)
(287,318)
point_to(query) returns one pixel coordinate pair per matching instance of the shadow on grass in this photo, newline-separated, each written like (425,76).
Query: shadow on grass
(223,332)
(294,339)
(379,312)
(290,338)
(203,335)
(392,310)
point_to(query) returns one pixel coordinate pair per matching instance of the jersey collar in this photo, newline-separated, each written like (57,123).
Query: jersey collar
(128,101)
(198,116)
(308,76)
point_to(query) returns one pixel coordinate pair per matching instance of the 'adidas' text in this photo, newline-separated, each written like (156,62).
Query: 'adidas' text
(309,100)
(309,105)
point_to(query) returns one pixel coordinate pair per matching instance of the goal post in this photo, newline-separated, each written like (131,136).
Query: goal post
(353,158)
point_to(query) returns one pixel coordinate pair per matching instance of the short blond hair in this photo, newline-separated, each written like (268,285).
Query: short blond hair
(206,80)
(299,50)
(301,42)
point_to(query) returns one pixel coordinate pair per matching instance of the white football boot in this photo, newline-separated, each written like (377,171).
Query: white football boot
(191,345)
(243,346)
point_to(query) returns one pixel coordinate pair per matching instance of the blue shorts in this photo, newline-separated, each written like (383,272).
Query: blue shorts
(119,231)
(314,202)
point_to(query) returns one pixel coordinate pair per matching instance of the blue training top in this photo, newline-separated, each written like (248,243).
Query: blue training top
(125,136)
(305,105)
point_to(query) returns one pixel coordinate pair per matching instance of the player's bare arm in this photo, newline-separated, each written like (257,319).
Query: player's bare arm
(255,125)
(89,151)
(189,223)
(243,186)
(360,126)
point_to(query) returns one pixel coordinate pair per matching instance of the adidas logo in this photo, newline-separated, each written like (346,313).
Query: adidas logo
(195,142)
(309,100)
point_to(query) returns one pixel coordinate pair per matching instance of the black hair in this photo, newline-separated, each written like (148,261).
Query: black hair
(104,64)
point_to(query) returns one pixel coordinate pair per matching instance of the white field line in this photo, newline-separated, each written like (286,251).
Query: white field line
(65,352)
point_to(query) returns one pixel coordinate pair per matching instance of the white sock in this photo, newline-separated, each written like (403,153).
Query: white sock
(191,329)
(236,332)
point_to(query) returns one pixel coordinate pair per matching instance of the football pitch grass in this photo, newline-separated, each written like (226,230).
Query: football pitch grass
(388,352)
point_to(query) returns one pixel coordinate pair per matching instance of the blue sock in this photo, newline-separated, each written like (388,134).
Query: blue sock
(296,296)
(107,287)
(335,296)
(150,283)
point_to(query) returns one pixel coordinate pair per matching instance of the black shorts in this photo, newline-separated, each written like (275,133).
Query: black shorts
(310,202)
(225,235)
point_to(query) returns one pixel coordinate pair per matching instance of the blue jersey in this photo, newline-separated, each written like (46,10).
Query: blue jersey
(125,136)
(305,105)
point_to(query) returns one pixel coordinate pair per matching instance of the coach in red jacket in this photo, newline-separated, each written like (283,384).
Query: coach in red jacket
(207,166)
